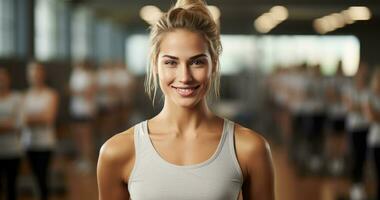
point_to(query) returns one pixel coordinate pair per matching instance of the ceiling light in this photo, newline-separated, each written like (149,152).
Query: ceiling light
(279,13)
(150,14)
(359,13)
(265,23)
(338,20)
(321,26)
(347,17)
(271,19)
(215,12)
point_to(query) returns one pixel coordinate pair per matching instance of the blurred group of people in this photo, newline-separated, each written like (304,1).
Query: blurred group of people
(27,128)
(28,118)
(330,123)
(103,96)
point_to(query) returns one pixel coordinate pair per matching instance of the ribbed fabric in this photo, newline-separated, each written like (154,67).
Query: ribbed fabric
(152,177)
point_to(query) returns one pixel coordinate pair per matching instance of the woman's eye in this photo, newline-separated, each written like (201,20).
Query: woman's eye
(197,62)
(170,62)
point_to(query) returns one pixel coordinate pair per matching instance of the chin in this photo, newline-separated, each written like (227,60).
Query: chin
(189,102)
(186,103)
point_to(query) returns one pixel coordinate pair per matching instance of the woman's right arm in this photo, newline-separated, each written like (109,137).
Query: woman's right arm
(12,122)
(115,163)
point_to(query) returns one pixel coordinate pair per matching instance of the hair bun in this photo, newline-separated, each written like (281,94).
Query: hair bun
(186,4)
(199,6)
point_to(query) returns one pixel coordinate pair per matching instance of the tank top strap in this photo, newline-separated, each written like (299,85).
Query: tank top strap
(137,134)
(139,146)
(230,129)
(140,140)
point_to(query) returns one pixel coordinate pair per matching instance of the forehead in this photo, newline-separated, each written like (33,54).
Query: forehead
(181,42)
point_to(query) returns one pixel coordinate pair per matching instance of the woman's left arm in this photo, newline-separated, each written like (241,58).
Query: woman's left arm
(257,166)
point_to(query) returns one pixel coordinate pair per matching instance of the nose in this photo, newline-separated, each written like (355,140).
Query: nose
(184,74)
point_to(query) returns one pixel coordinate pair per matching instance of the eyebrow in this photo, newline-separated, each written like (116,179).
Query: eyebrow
(191,58)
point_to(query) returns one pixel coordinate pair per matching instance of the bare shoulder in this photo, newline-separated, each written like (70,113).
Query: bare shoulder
(250,141)
(251,148)
(119,148)
(115,163)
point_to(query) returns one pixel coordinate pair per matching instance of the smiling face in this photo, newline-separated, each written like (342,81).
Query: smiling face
(184,67)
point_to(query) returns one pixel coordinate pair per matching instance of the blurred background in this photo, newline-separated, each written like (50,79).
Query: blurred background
(301,73)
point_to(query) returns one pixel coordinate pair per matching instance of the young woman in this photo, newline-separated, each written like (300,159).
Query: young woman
(10,145)
(186,151)
(83,111)
(357,129)
(336,120)
(38,134)
(372,112)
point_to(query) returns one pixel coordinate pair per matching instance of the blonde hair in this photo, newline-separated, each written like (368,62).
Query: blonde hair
(191,15)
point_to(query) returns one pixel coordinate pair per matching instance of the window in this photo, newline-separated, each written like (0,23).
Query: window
(242,52)
(327,51)
(238,53)
(51,29)
(81,34)
(137,49)
(7,28)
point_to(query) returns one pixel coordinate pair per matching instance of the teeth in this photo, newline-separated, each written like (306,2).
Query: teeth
(185,91)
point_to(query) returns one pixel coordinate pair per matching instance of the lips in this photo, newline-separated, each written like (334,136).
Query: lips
(186,91)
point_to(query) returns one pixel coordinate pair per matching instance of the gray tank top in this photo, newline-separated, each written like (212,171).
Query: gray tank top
(152,177)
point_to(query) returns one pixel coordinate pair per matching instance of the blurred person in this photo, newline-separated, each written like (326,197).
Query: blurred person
(335,124)
(315,116)
(10,144)
(186,151)
(372,112)
(298,113)
(83,111)
(124,82)
(279,92)
(39,112)
(357,128)
(108,96)
(107,100)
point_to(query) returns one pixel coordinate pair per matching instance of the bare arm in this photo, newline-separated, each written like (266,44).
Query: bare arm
(257,167)
(115,163)
(11,123)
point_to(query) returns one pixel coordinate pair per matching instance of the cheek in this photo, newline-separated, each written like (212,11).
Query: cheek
(165,75)
(203,75)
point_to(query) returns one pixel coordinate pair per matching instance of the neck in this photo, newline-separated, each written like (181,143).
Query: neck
(183,119)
